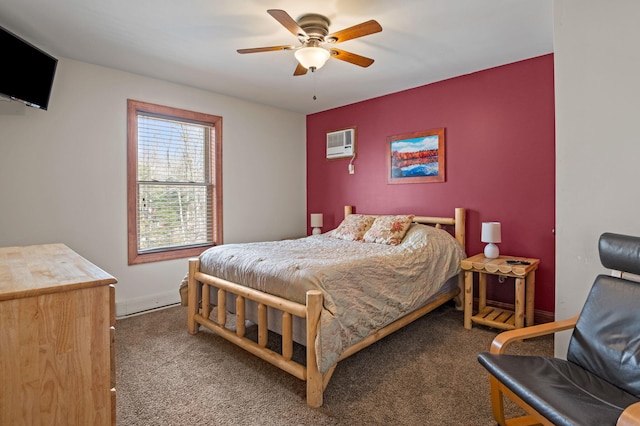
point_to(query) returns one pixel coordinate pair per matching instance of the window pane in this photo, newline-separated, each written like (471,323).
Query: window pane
(169,151)
(173,216)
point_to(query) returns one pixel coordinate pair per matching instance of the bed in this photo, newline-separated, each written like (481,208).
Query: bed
(334,293)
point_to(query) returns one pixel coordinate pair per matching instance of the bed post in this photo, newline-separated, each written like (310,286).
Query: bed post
(460,234)
(314,377)
(460,226)
(192,296)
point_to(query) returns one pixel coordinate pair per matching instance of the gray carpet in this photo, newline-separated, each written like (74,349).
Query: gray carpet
(424,374)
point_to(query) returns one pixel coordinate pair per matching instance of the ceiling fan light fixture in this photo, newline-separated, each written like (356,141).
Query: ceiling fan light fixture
(312,31)
(312,57)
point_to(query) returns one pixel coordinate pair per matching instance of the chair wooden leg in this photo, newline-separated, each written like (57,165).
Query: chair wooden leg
(497,401)
(498,392)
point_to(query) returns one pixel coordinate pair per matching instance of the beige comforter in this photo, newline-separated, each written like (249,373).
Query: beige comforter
(365,285)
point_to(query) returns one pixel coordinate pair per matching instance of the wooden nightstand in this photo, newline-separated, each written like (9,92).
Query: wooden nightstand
(525,282)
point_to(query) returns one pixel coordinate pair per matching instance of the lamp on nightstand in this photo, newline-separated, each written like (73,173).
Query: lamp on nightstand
(491,234)
(316,223)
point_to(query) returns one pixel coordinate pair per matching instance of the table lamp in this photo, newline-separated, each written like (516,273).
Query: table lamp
(491,234)
(316,223)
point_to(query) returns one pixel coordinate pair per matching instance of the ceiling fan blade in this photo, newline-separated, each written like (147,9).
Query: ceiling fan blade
(288,22)
(351,57)
(300,70)
(360,30)
(265,49)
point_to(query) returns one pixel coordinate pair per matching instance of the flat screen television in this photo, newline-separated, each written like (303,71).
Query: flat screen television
(26,72)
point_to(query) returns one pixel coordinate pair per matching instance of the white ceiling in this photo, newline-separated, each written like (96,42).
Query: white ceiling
(194,42)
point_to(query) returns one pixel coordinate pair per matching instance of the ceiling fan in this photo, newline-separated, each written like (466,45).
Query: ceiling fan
(312,30)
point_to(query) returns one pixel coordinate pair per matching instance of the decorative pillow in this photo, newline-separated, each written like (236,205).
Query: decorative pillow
(388,229)
(353,227)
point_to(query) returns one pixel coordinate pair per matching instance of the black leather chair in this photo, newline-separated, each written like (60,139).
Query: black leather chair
(599,382)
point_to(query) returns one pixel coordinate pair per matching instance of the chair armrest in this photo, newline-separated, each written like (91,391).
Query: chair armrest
(630,416)
(505,338)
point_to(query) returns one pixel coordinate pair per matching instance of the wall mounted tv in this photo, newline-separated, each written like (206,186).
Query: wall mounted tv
(26,73)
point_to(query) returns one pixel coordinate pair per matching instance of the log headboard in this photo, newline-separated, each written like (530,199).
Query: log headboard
(457,221)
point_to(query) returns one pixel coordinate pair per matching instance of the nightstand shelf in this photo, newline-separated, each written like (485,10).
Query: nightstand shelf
(495,317)
(524,278)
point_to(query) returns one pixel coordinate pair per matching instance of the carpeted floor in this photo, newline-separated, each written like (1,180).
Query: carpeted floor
(424,374)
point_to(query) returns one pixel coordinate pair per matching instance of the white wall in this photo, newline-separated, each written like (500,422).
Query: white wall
(63,175)
(597,86)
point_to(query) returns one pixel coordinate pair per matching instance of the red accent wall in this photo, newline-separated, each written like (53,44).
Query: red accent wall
(500,161)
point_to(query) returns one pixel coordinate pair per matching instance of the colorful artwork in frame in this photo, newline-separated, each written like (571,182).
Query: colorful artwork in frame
(416,157)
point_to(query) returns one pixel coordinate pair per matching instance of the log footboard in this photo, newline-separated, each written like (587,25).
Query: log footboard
(199,310)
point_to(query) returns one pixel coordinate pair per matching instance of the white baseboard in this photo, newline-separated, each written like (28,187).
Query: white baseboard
(129,307)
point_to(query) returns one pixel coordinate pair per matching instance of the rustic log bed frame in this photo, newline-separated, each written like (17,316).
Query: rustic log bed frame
(198,314)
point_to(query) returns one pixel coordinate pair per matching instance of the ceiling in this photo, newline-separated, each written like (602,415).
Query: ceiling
(194,42)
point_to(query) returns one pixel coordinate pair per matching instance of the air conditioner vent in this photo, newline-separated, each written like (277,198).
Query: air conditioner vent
(341,143)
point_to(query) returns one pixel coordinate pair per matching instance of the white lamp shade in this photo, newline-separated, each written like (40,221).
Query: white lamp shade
(316,220)
(491,232)
(312,57)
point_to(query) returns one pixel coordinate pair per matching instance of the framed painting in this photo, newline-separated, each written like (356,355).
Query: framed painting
(416,157)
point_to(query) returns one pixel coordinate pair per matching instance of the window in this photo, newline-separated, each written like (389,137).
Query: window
(174,182)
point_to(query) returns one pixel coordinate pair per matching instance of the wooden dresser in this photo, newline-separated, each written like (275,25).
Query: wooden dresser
(57,326)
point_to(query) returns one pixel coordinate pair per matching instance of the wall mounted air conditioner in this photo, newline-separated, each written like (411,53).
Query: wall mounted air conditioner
(341,143)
